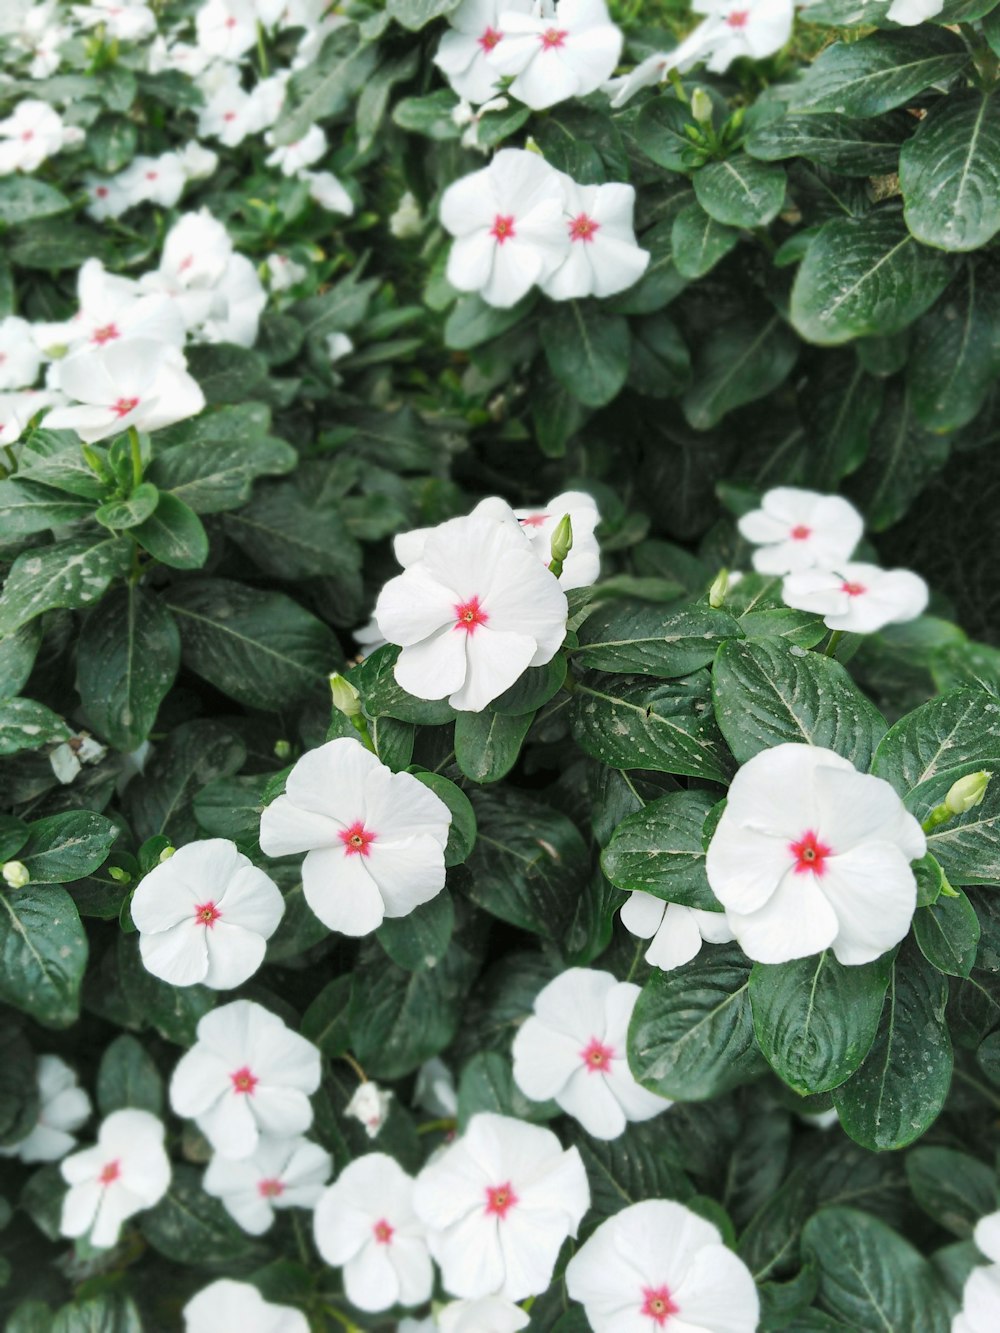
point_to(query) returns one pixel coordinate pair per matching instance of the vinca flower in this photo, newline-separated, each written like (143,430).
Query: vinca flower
(226,28)
(205,915)
(499,1202)
(63,1106)
(293,157)
(238,1306)
(463,52)
(122,20)
(247,1075)
(19,359)
(677,932)
(603,257)
(327,191)
(908,13)
(810,854)
(111,308)
(856,598)
(572,1049)
(30,135)
(365,1224)
(370,1105)
(374,840)
(569,52)
(126,1172)
(281,1173)
(981,1293)
(795,530)
(657,1265)
(491,1314)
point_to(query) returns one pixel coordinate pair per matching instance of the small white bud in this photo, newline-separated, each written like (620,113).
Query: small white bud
(370,1105)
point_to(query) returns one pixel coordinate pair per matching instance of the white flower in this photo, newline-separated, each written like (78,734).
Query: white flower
(240,298)
(292,158)
(205,915)
(656,1265)
(155,180)
(654,69)
(327,191)
(491,1314)
(568,54)
(435,1089)
(17,409)
(195,259)
(366,1225)
(226,28)
(572,1049)
(463,50)
(981,1294)
(111,308)
(797,530)
(338,345)
(227,115)
(123,21)
(181,56)
(19,359)
(857,598)
(509,224)
(810,854)
(30,135)
(908,13)
(267,99)
(370,1105)
(603,257)
(407,221)
(63,1106)
(247,1075)
(677,932)
(283,272)
(197,162)
(473,613)
(67,760)
(499,1203)
(108,197)
(374,840)
(370,637)
(282,1173)
(237,1306)
(124,1173)
(134,382)
(750,28)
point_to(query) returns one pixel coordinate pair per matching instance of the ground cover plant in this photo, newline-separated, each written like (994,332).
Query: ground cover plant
(499,747)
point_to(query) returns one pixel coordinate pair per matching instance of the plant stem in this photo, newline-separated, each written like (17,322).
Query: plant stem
(349,1059)
(135,449)
(265,68)
(831,647)
(431,1126)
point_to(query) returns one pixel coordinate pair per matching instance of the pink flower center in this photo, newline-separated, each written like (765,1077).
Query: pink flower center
(230,22)
(206,914)
(244,1081)
(356,839)
(583,228)
(658,1305)
(28,135)
(101,192)
(500,1199)
(597,1057)
(383,1232)
(801,533)
(105,334)
(853,589)
(738,18)
(229,115)
(553,38)
(534,520)
(502,229)
(489,39)
(185,263)
(470,615)
(110,1172)
(124,406)
(152,175)
(270,1189)
(810,854)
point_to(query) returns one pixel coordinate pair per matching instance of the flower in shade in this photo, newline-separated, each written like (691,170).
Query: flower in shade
(858,598)
(462,54)
(509,225)
(658,1265)
(572,1049)
(281,1173)
(796,530)
(810,854)
(374,840)
(499,1202)
(370,1105)
(475,611)
(677,932)
(63,1106)
(126,1172)
(247,1075)
(19,358)
(551,57)
(365,1224)
(603,257)
(237,1306)
(981,1293)
(205,915)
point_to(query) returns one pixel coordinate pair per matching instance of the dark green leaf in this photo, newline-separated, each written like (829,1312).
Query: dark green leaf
(587,352)
(698,242)
(419,939)
(65,847)
(949,173)
(174,534)
(43,953)
(213,475)
(742,361)
(487,744)
(648,641)
(659,850)
(68,574)
(739,191)
(883,71)
(26,725)
(128,1076)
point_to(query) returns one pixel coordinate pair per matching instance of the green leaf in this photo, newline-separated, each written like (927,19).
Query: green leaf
(230,807)
(416,14)
(588,352)
(127,1076)
(382,697)
(766,692)
(742,361)
(213,475)
(108,1312)
(816,1019)
(968,846)
(958,729)
(29,506)
(260,648)
(25,199)
(697,241)
(849,147)
(112,143)
(174,534)
(902,459)
(419,940)
(691,1035)
(947,932)
(487,1084)
(954,1189)
(487,744)
(646,640)
(18,1083)
(173,1011)
(661,362)
(535,687)
(740,191)
(327,85)
(462,834)
(955,357)
(628,722)
(43,952)
(885,70)
(949,173)
(127,659)
(67,574)
(26,725)
(629,1169)
(120,514)
(659,130)
(324,1023)
(54,458)
(189,1226)
(659,850)
(291,534)
(17,657)
(865,276)
(192,755)
(901,1087)
(61,848)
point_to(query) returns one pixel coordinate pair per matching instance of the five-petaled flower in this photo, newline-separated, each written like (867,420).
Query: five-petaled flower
(226,1305)
(63,1106)
(795,530)
(127,1171)
(475,32)
(857,598)
(281,1173)
(551,57)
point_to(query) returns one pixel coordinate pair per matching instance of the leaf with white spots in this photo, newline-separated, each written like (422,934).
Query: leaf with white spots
(27,725)
(65,847)
(43,953)
(70,574)
(740,191)
(659,850)
(949,173)
(959,730)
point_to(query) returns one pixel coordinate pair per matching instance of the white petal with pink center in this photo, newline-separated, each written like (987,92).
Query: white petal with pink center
(573,1050)
(32,133)
(489,1315)
(238,1306)
(795,530)
(603,257)
(370,1105)
(63,1106)
(365,1224)
(857,598)
(126,1172)
(112,309)
(292,158)
(677,932)
(658,1265)
(499,1202)
(205,915)
(281,1173)
(374,840)
(568,53)
(810,854)
(462,54)
(247,1075)
(739,28)
(474,612)
(226,28)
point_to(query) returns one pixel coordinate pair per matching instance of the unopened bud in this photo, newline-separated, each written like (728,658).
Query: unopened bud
(967,792)
(717,592)
(166,854)
(346,699)
(701,106)
(119,875)
(562,539)
(16,874)
(282,749)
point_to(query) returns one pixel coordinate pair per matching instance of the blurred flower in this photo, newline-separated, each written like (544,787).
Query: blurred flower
(292,158)
(283,272)
(19,359)
(63,1106)
(370,1105)
(797,530)
(554,57)
(677,932)
(435,1089)
(981,1293)
(111,308)
(122,20)
(462,54)
(407,221)
(327,191)
(226,28)
(125,1173)
(31,134)
(859,599)
(226,1306)
(281,1173)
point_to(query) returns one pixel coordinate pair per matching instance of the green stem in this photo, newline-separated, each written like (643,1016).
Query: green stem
(265,68)
(939,815)
(343,1319)
(831,646)
(11,457)
(635,961)
(135,449)
(433,1126)
(678,86)
(360,725)
(300,1239)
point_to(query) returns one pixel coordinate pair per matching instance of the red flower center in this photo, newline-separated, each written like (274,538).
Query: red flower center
(597,1057)
(383,1232)
(229,115)
(738,18)
(553,38)
(489,39)
(502,229)
(583,228)
(356,839)
(110,1172)
(152,175)
(658,1305)
(106,334)
(230,22)
(853,589)
(801,533)
(244,1081)
(124,406)
(470,615)
(101,192)
(500,1199)
(810,854)
(270,1189)
(206,914)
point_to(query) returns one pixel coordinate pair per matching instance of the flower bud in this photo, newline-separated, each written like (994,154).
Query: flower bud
(701,106)
(282,749)
(16,874)
(166,854)
(717,592)
(370,1105)
(119,875)
(346,699)
(562,539)
(967,792)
